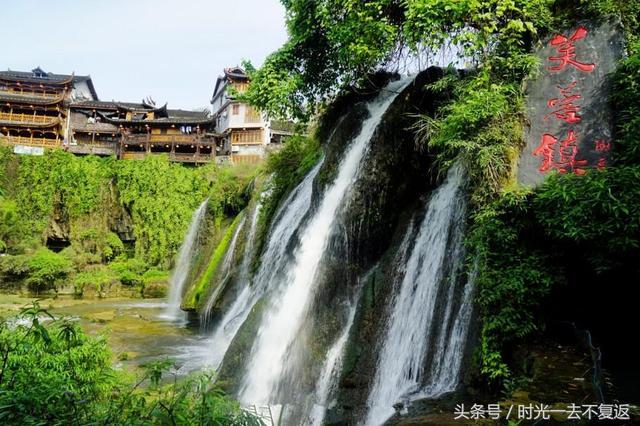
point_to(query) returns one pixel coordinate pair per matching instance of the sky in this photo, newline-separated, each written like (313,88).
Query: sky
(171,50)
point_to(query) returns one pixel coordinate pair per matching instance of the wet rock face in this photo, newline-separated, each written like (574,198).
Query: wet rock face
(567,105)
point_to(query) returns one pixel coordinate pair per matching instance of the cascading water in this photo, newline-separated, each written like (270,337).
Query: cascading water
(181,271)
(284,226)
(330,370)
(291,293)
(426,331)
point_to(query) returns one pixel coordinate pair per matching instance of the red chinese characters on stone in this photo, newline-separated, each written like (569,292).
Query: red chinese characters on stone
(565,107)
(602,147)
(566,150)
(546,149)
(567,52)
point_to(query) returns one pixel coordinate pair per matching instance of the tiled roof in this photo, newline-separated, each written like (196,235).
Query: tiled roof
(37,75)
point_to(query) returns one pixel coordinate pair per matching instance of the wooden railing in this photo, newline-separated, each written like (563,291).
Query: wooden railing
(173,156)
(28,118)
(33,93)
(195,139)
(190,158)
(96,143)
(23,140)
(248,137)
(133,155)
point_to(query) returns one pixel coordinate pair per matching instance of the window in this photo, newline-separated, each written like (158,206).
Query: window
(235,109)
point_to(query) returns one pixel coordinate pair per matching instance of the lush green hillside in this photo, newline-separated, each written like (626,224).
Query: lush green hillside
(114,221)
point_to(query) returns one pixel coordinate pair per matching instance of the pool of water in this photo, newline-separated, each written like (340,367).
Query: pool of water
(136,329)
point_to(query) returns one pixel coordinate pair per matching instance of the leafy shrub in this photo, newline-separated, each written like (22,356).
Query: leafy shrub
(53,373)
(46,269)
(513,277)
(50,374)
(482,126)
(8,223)
(129,271)
(101,278)
(626,105)
(14,268)
(155,283)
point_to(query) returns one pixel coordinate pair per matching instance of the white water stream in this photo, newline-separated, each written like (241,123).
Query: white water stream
(426,332)
(181,271)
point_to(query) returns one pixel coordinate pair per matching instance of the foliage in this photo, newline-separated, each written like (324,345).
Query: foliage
(101,278)
(482,126)
(626,10)
(88,193)
(288,167)
(60,179)
(53,373)
(8,223)
(596,215)
(46,269)
(161,197)
(335,43)
(103,243)
(512,278)
(626,104)
(50,374)
(229,192)
(600,211)
(129,271)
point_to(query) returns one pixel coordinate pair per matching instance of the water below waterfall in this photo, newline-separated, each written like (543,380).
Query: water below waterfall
(423,348)
(291,292)
(183,265)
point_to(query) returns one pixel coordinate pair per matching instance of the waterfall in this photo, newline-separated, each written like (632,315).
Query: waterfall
(330,371)
(225,272)
(291,293)
(250,241)
(285,223)
(181,271)
(422,350)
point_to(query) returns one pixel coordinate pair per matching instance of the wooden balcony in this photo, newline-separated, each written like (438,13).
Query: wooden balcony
(32,141)
(173,156)
(28,118)
(169,139)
